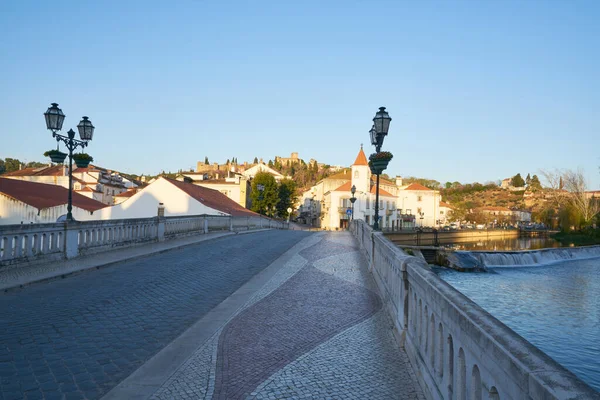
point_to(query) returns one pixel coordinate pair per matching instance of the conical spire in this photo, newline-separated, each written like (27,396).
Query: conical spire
(361,159)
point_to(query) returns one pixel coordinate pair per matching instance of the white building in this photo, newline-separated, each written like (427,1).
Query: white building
(178,198)
(400,207)
(262,167)
(23,202)
(232,184)
(103,184)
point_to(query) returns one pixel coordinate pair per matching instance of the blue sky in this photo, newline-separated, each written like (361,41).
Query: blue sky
(478,90)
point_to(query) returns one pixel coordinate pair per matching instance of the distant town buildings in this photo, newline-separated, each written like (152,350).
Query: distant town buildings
(293,159)
(234,185)
(94,182)
(177,198)
(327,204)
(507,184)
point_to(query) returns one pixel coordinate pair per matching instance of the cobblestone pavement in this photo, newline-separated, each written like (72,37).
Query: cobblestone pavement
(316,331)
(78,337)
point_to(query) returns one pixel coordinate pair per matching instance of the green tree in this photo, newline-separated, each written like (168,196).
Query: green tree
(12,164)
(2,166)
(206,160)
(227,161)
(528,180)
(517,181)
(35,164)
(535,183)
(255,160)
(264,193)
(270,164)
(287,196)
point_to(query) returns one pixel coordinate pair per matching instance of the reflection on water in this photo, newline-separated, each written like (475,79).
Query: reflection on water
(556,307)
(510,244)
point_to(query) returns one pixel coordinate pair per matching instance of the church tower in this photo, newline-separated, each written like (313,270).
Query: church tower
(361,173)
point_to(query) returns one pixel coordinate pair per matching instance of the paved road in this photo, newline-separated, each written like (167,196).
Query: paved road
(315,330)
(78,337)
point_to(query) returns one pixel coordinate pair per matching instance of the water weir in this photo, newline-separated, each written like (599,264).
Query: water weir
(532,257)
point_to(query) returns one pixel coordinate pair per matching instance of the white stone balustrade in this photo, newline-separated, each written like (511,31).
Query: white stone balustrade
(28,241)
(37,243)
(458,350)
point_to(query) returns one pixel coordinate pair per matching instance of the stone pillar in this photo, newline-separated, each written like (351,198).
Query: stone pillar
(71,249)
(160,229)
(205,225)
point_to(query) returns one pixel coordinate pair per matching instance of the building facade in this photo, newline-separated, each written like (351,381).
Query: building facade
(327,204)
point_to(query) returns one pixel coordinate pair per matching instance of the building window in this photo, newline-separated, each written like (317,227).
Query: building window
(419,198)
(355,174)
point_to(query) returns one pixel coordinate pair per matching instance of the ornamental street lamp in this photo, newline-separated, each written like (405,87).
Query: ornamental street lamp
(381,125)
(54,122)
(353,199)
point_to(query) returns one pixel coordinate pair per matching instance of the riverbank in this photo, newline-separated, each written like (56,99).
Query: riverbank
(580,238)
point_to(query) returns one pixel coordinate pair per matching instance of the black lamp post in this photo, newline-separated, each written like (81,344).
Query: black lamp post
(353,199)
(54,122)
(381,125)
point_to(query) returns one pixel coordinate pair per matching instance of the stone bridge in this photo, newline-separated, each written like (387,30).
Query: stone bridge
(226,308)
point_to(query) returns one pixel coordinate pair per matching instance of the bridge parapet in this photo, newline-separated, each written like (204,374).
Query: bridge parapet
(38,243)
(459,350)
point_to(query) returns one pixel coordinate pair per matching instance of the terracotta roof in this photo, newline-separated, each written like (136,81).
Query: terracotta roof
(444,204)
(85,189)
(56,170)
(416,186)
(40,195)
(128,193)
(383,181)
(345,174)
(345,187)
(361,159)
(211,198)
(381,191)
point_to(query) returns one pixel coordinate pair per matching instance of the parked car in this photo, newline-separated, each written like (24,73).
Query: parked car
(480,226)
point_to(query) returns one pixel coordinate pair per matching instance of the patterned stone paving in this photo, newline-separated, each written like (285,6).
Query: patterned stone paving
(360,363)
(78,337)
(290,341)
(305,311)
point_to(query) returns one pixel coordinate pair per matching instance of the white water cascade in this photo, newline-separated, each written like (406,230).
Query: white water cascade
(533,257)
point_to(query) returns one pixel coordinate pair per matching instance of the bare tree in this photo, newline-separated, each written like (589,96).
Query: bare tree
(554,182)
(575,183)
(574,193)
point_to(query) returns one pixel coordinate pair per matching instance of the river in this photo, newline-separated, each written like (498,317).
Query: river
(517,243)
(555,306)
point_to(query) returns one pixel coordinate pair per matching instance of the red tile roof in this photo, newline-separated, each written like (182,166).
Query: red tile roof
(361,159)
(128,193)
(56,170)
(381,191)
(417,186)
(40,195)
(444,204)
(345,174)
(345,187)
(212,198)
